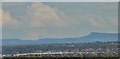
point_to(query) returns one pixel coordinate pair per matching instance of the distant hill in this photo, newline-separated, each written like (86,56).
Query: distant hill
(92,37)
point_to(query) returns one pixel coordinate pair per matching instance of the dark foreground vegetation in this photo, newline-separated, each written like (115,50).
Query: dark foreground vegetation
(60,58)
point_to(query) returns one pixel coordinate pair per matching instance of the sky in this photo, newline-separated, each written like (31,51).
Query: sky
(60,0)
(36,20)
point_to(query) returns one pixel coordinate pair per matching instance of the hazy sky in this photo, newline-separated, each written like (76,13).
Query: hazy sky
(57,19)
(60,0)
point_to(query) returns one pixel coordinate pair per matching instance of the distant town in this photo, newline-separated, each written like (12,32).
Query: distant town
(93,49)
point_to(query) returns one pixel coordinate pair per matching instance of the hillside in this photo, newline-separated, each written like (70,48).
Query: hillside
(92,37)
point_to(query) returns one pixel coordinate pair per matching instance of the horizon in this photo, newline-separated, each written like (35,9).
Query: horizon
(66,37)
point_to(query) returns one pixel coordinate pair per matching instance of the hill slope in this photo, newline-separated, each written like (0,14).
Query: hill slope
(92,37)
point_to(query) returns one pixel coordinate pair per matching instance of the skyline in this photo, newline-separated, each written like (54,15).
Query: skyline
(31,21)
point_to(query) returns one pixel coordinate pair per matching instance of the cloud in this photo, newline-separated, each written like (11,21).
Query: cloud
(0,23)
(43,21)
(43,15)
(96,21)
(60,0)
(0,18)
(7,20)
